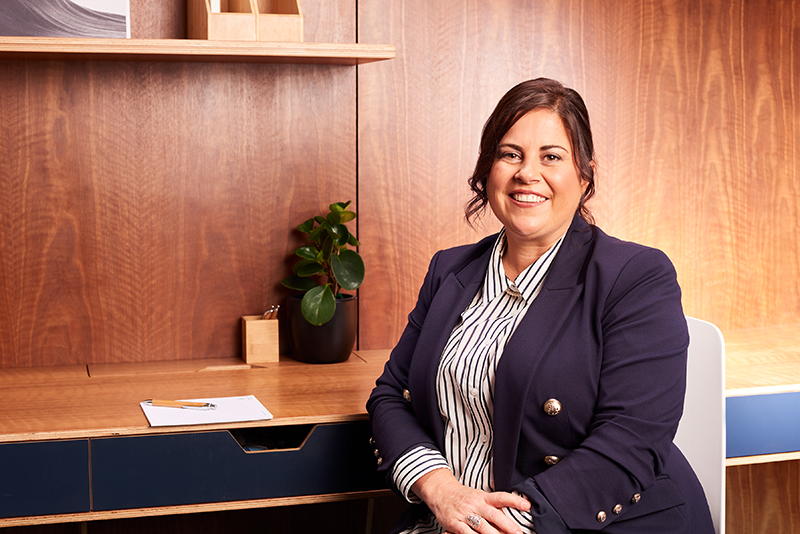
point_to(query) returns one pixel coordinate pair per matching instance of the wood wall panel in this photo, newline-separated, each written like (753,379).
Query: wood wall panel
(420,118)
(158,20)
(763,498)
(147,206)
(695,112)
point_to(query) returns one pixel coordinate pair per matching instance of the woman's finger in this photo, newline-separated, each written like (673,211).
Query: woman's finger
(502,499)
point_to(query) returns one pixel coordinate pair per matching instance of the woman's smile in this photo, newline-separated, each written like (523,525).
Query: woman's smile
(528,198)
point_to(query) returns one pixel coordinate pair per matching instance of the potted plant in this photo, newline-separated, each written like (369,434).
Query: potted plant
(322,324)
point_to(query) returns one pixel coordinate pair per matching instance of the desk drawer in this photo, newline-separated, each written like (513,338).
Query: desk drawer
(47,477)
(762,424)
(192,468)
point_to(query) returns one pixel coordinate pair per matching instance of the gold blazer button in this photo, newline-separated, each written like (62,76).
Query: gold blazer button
(552,407)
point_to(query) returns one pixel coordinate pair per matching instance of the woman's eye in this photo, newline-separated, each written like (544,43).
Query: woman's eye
(510,155)
(551,157)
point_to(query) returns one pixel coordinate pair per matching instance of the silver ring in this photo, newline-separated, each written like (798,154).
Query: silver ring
(474,520)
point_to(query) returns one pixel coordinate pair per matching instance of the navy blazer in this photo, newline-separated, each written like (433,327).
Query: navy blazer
(607,338)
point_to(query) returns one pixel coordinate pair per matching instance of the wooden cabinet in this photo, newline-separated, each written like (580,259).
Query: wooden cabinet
(46,477)
(102,460)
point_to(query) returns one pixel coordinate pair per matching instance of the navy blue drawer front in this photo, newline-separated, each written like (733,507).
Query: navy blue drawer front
(44,477)
(192,468)
(762,424)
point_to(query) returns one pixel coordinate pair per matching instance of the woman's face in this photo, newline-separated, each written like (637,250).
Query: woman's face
(534,187)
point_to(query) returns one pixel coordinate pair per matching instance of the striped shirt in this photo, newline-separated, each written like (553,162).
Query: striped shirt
(465,384)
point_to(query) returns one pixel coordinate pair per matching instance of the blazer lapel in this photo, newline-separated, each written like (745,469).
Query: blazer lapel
(452,298)
(525,349)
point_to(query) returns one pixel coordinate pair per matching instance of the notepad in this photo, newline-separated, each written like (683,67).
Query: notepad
(229,410)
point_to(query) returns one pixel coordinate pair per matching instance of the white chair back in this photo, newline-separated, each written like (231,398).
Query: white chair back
(701,432)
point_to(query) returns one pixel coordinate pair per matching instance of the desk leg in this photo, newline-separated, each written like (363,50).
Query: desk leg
(370,512)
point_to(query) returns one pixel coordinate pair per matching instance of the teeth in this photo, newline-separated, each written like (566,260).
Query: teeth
(528,198)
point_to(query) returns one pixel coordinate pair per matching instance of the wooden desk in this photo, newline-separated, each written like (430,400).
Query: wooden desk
(78,428)
(762,385)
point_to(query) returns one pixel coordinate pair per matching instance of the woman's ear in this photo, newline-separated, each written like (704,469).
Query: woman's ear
(585,183)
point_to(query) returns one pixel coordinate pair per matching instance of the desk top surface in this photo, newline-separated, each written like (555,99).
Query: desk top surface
(81,401)
(97,400)
(762,360)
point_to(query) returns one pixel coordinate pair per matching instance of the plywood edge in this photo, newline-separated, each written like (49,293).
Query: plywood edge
(191,50)
(762,390)
(191,508)
(149,430)
(762,459)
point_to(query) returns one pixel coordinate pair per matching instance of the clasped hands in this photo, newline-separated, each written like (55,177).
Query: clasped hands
(463,510)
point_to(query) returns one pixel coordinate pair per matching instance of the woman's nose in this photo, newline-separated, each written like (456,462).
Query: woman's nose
(528,174)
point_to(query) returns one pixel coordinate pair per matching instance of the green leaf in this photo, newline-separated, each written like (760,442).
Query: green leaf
(340,233)
(352,241)
(320,219)
(348,269)
(298,284)
(318,305)
(300,264)
(334,217)
(346,216)
(308,252)
(314,235)
(307,226)
(339,206)
(327,248)
(310,269)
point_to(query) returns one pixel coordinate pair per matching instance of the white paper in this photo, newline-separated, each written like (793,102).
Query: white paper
(229,410)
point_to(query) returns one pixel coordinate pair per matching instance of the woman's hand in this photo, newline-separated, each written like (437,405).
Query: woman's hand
(463,510)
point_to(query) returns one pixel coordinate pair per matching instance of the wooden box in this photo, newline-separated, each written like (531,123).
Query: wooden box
(260,339)
(245,20)
(278,20)
(236,20)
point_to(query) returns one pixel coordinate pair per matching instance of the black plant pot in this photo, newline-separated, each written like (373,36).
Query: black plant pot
(331,342)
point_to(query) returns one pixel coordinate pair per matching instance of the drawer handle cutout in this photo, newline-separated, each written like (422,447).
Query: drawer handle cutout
(271,438)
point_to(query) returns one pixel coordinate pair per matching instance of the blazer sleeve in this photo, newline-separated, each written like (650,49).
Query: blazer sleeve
(396,428)
(642,380)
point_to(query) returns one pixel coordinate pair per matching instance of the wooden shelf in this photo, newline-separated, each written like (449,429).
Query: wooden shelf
(56,48)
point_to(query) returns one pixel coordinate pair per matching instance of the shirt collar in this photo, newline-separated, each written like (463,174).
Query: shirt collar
(527,283)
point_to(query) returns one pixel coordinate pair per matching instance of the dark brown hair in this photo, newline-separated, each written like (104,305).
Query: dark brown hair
(541,93)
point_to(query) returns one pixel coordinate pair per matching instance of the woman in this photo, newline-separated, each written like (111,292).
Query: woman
(540,379)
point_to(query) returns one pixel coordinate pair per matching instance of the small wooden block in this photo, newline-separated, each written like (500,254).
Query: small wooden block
(260,339)
(278,20)
(236,20)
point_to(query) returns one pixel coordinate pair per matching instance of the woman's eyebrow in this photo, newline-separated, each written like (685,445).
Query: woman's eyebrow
(510,145)
(550,147)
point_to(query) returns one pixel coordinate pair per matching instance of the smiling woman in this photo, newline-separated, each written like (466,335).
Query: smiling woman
(539,382)
(64,18)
